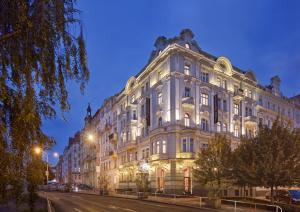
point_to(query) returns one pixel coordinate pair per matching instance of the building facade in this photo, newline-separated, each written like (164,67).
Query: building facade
(169,111)
(68,166)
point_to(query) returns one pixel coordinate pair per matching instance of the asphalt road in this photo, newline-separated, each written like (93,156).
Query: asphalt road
(69,202)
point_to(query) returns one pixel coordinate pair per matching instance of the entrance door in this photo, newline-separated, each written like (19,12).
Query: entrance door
(187,181)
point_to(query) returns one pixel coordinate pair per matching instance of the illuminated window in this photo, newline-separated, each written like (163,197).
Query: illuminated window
(186,120)
(159,98)
(157,147)
(187,70)
(218,127)
(236,131)
(132,98)
(204,99)
(224,127)
(164,147)
(187,46)
(236,109)
(187,145)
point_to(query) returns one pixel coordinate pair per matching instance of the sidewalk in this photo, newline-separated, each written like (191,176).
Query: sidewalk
(193,202)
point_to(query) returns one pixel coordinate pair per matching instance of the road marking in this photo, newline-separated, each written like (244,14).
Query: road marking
(162,206)
(76,209)
(124,209)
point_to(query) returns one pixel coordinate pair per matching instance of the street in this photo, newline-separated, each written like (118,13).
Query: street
(68,202)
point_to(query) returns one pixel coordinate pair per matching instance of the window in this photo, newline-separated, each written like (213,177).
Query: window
(187,46)
(260,101)
(225,105)
(157,147)
(224,84)
(159,98)
(224,127)
(143,110)
(134,117)
(250,94)
(187,92)
(159,121)
(236,109)
(205,77)
(153,148)
(187,68)
(204,99)
(187,120)
(219,82)
(236,131)
(132,98)
(184,145)
(260,121)
(219,104)
(218,127)
(187,145)
(159,75)
(204,125)
(164,147)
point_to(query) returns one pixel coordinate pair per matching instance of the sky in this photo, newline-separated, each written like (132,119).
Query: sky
(258,35)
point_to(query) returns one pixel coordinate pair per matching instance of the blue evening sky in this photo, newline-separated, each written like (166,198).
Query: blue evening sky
(262,35)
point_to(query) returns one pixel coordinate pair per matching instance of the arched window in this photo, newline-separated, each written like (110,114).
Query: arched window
(159,121)
(187,120)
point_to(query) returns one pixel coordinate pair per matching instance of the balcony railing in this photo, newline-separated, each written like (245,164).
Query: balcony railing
(188,102)
(251,119)
(187,155)
(160,156)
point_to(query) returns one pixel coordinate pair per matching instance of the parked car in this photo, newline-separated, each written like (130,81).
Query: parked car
(286,196)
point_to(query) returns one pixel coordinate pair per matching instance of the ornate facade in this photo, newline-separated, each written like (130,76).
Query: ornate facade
(169,111)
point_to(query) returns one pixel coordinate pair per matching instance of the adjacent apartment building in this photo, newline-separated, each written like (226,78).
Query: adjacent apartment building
(169,111)
(68,166)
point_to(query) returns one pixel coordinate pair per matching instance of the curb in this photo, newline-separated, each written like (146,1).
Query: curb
(50,207)
(147,200)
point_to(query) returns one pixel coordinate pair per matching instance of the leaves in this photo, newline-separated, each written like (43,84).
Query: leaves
(41,47)
(214,165)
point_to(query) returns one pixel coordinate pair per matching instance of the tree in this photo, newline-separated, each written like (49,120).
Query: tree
(214,165)
(41,47)
(270,159)
(244,164)
(142,182)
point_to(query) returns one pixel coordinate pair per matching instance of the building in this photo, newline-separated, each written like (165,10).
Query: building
(68,166)
(169,111)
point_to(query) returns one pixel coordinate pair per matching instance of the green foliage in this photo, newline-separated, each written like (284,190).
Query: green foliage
(142,182)
(41,47)
(271,159)
(214,166)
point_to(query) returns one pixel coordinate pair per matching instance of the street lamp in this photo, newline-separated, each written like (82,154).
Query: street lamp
(38,150)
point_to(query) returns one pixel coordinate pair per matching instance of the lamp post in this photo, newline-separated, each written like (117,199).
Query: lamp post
(38,151)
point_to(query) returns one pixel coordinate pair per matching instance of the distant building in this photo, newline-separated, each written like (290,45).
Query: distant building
(69,163)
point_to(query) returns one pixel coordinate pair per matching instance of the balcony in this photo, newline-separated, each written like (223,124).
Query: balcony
(113,138)
(238,95)
(185,155)
(250,119)
(188,102)
(161,156)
